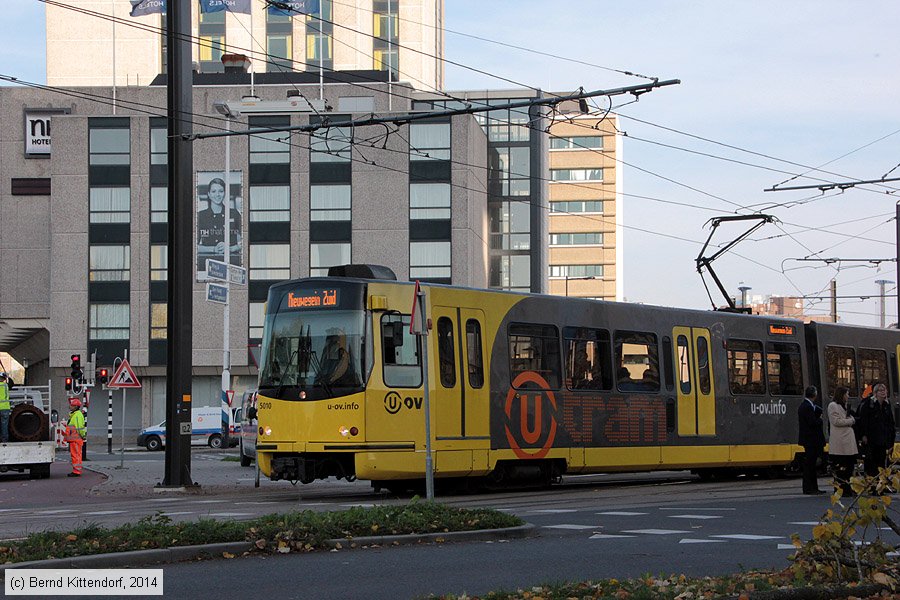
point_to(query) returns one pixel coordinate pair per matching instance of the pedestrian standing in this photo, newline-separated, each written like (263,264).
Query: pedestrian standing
(4,408)
(876,416)
(75,434)
(842,447)
(811,437)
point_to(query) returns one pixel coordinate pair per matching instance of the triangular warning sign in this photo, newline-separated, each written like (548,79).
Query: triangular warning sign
(124,377)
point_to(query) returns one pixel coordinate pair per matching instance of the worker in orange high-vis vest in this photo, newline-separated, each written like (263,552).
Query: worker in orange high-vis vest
(75,434)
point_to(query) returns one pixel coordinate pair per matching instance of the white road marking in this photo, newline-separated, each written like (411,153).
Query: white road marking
(57,511)
(694,508)
(803,523)
(177,513)
(205,501)
(655,531)
(695,516)
(748,536)
(256,502)
(621,513)
(694,541)
(103,512)
(165,499)
(605,536)
(570,526)
(555,510)
(787,547)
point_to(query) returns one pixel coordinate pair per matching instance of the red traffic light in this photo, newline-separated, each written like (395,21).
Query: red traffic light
(102,376)
(68,384)
(76,359)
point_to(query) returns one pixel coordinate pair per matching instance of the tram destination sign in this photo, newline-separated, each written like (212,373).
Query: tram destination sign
(781,329)
(313,298)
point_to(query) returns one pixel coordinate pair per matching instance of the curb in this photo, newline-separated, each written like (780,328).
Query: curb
(138,558)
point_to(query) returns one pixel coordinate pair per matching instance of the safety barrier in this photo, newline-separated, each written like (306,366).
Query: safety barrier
(61,436)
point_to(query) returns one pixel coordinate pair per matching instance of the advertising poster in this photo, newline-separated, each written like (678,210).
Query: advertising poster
(211,212)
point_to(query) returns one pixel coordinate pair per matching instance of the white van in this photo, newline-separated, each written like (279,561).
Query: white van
(206,428)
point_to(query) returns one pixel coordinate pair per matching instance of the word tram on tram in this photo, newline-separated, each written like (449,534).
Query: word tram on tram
(525,388)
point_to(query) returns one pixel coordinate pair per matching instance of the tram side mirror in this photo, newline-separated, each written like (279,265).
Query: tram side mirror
(54,416)
(397,333)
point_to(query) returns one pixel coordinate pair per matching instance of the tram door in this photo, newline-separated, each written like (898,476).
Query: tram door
(696,389)
(459,392)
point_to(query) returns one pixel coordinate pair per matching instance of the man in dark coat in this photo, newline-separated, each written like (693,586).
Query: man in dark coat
(877,429)
(812,438)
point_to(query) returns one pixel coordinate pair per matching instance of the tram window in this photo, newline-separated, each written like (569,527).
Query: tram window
(534,348)
(401,361)
(684,365)
(873,368)
(783,369)
(840,370)
(745,367)
(588,359)
(637,362)
(445,352)
(704,377)
(667,363)
(473,353)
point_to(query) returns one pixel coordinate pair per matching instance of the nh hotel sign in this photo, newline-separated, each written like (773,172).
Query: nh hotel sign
(37,130)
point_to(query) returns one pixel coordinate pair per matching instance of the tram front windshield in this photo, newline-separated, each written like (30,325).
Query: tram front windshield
(312,354)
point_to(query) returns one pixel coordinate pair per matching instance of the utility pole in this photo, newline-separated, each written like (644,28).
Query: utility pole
(834,315)
(881,283)
(179,328)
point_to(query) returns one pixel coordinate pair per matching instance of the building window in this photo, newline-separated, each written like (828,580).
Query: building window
(159,204)
(270,203)
(429,260)
(576,239)
(332,144)
(323,256)
(159,146)
(270,261)
(510,171)
(109,322)
(570,271)
(257,319)
(429,201)
(319,37)
(583,142)
(159,321)
(329,203)
(576,174)
(159,262)
(510,224)
(386,29)
(270,148)
(429,141)
(109,263)
(511,272)
(505,125)
(110,205)
(109,146)
(212,41)
(577,206)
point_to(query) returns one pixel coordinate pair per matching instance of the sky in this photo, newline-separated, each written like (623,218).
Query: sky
(776,90)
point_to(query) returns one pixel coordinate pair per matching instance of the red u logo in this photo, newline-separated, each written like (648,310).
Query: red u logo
(530,435)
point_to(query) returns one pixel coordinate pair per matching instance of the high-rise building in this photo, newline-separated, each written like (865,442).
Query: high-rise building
(87,48)
(585,207)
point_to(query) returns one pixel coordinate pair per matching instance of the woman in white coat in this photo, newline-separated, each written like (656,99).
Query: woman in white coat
(841,440)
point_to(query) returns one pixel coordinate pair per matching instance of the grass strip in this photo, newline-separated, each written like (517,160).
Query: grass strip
(296,531)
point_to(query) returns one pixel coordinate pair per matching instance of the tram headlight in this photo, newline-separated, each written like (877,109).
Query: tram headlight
(265,431)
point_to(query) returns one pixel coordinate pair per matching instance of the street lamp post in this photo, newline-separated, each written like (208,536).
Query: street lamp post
(229,114)
(881,283)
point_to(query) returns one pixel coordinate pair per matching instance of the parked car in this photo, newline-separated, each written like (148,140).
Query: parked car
(248,424)
(206,428)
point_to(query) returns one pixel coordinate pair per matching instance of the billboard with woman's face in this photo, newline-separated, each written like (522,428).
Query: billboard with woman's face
(211,211)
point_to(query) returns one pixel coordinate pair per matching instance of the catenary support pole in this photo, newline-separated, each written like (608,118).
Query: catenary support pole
(179,328)
(226,317)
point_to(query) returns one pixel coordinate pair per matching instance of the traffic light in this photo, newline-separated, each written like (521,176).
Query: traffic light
(68,384)
(77,372)
(102,376)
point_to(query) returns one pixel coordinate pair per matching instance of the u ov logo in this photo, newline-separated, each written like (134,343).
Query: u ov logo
(393,403)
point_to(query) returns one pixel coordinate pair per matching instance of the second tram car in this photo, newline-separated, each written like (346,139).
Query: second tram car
(528,387)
